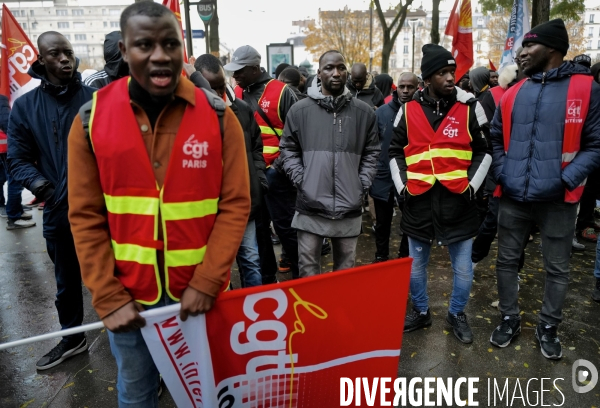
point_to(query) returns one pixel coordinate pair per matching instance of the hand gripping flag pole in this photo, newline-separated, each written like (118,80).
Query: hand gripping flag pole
(87,327)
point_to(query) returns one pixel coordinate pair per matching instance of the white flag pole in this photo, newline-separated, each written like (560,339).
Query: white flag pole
(84,328)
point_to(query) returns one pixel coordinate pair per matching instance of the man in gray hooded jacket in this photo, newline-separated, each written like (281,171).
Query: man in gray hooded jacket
(329,150)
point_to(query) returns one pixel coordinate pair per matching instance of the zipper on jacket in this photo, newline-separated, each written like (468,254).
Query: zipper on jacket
(340,122)
(334,115)
(55,132)
(333,167)
(531,142)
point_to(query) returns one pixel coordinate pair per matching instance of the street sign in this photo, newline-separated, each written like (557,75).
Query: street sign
(206,9)
(196,33)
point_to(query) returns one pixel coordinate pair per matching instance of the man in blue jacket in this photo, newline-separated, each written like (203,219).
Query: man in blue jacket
(37,156)
(546,141)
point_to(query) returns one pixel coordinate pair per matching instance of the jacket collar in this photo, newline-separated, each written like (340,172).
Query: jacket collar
(566,69)
(38,71)
(263,79)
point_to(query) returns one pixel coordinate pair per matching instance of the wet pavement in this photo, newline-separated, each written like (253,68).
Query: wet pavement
(88,380)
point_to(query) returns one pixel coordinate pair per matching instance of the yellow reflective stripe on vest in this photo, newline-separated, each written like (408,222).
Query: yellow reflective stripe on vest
(451,175)
(266,130)
(134,253)
(189,210)
(270,149)
(184,257)
(415,158)
(131,205)
(451,153)
(428,178)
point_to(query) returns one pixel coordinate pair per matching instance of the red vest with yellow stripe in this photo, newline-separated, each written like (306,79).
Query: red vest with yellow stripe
(186,205)
(3,142)
(444,155)
(577,106)
(269,103)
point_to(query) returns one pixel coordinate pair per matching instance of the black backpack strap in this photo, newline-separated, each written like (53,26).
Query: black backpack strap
(264,117)
(85,112)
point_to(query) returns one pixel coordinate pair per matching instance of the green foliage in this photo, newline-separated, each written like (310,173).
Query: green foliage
(568,10)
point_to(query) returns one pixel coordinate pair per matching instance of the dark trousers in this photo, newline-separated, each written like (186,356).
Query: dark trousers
(281,201)
(268,262)
(3,180)
(556,221)
(384,212)
(14,209)
(69,295)
(585,218)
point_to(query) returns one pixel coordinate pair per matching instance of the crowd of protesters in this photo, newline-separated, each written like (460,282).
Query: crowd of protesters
(463,160)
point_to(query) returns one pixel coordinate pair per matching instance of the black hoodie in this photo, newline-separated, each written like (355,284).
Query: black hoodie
(114,68)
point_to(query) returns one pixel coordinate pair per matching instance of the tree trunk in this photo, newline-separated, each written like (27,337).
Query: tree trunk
(214,32)
(435,22)
(540,12)
(386,51)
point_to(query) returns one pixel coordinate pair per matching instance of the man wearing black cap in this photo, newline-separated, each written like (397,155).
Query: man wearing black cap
(438,168)
(270,100)
(546,141)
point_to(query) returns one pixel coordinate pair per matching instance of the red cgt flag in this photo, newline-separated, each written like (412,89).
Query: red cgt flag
(492,66)
(460,27)
(18,53)
(173,5)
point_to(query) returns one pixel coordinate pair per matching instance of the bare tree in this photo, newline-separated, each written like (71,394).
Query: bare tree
(390,31)
(540,12)
(435,22)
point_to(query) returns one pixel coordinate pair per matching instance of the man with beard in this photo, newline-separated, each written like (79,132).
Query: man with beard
(37,158)
(157,165)
(329,151)
(114,67)
(493,79)
(546,141)
(439,159)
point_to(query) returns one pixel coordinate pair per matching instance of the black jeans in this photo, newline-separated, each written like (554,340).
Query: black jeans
(281,201)
(556,221)
(268,262)
(384,212)
(69,295)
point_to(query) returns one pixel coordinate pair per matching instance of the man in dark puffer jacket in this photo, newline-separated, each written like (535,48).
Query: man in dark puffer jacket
(539,179)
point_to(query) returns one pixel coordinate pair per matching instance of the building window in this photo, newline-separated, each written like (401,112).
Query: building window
(61,12)
(114,12)
(405,49)
(67,36)
(406,35)
(80,37)
(591,32)
(63,25)
(34,25)
(77,12)
(80,50)
(104,12)
(589,45)
(478,47)
(106,24)
(79,25)
(24,25)
(591,18)
(480,22)
(404,63)
(114,24)
(31,12)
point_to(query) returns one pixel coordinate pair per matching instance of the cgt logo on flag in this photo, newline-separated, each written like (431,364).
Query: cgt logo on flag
(264,347)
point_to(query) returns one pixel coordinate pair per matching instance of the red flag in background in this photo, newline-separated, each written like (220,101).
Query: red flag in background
(460,27)
(173,5)
(492,66)
(18,53)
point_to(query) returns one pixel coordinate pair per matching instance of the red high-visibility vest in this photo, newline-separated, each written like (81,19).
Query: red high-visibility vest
(3,142)
(577,106)
(444,155)
(186,205)
(497,93)
(269,102)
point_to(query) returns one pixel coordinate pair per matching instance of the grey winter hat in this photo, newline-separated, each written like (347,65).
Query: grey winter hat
(243,57)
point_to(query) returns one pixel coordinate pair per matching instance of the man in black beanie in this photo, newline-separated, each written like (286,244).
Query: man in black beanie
(439,159)
(546,141)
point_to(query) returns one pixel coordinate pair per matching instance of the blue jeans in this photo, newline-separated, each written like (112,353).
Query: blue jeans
(460,256)
(14,209)
(247,258)
(138,377)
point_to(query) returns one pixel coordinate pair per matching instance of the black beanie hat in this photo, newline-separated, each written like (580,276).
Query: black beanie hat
(552,34)
(435,58)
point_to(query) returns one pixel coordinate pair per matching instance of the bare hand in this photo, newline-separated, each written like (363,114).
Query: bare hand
(126,318)
(189,67)
(194,303)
